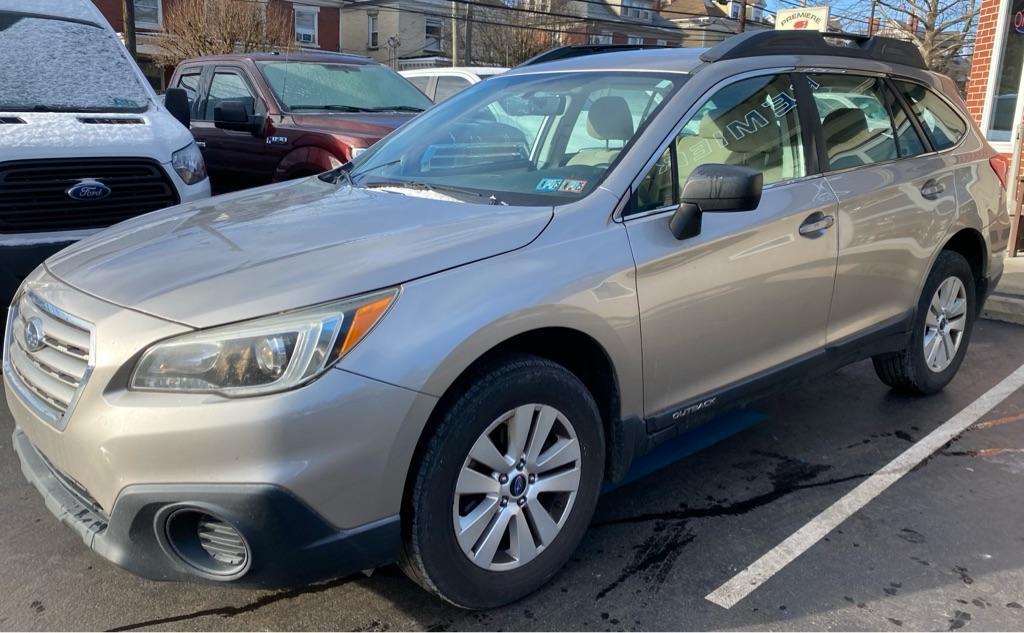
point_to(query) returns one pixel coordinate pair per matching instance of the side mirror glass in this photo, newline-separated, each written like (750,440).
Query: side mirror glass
(715,188)
(176,102)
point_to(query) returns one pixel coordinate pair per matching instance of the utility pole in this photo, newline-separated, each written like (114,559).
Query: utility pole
(128,14)
(455,33)
(468,51)
(743,15)
(871,20)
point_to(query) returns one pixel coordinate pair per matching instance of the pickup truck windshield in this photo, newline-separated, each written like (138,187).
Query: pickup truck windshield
(56,65)
(545,138)
(342,87)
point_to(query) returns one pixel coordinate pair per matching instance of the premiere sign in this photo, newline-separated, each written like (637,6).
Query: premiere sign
(802,19)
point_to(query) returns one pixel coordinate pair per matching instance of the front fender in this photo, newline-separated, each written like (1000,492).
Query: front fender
(306,159)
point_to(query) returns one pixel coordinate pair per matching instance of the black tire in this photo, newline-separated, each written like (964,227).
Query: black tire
(907,370)
(430,554)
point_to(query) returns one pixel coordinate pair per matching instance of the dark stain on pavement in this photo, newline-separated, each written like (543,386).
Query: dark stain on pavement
(959,620)
(230,612)
(654,557)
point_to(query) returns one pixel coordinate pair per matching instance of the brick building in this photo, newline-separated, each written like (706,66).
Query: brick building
(317,25)
(993,92)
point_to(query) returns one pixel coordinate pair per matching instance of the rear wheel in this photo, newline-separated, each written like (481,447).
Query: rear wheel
(942,329)
(506,486)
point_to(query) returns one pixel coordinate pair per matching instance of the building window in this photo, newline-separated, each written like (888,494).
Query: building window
(604,38)
(432,33)
(306,25)
(634,40)
(1005,81)
(372,37)
(636,9)
(734,10)
(148,13)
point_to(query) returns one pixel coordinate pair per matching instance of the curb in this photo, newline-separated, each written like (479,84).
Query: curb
(1005,308)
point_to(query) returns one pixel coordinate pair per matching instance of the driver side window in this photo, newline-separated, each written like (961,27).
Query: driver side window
(753,122)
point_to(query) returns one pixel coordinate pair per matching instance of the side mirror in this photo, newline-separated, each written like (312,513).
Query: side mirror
(176,102)
(232,115)
(714,189)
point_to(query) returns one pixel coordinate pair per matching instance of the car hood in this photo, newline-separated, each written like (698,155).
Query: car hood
(286,246)
(370,125)
(151,134)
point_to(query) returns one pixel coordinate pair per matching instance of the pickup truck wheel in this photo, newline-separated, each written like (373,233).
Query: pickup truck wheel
(506,486)
(942,330)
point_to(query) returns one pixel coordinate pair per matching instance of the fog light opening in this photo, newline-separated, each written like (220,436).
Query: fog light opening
(208,543)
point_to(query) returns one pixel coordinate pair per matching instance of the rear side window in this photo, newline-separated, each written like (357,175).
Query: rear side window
(420,81)
(448,85)
(855,121)
(908,141)
(190,83)
(941,122)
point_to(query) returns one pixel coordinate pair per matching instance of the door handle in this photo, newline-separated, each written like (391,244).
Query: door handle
(815,224)
(201,144)
(932,189)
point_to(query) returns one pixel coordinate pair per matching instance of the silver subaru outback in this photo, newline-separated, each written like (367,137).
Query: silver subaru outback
(437,353)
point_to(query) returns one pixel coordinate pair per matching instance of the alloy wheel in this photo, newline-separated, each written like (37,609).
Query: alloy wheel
(944,324)
(516,488)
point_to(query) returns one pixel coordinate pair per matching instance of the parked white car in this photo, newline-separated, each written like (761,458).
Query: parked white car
(85,141)
(441,83)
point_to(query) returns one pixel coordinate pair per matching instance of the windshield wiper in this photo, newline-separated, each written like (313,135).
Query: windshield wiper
(396,108)
(435,188)
(334,107)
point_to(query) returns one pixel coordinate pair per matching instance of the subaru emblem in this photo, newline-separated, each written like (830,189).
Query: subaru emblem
(88,189)
(34,337)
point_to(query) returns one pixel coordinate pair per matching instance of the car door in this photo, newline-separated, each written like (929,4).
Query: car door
(750,293)
(234,159)
(896,199)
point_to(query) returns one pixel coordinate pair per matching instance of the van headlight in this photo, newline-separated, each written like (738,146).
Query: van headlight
(263,355)
(189,164)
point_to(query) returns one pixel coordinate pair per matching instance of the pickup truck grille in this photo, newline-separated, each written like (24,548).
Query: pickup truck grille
(34,193)
(48,356)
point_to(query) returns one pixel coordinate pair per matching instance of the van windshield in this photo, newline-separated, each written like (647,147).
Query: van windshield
(57,65)
(545,138)
(342,87)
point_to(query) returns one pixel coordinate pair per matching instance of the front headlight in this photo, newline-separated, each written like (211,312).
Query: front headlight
(263,355)
(188,162)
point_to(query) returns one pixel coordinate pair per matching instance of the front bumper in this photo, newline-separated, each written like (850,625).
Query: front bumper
(288,542)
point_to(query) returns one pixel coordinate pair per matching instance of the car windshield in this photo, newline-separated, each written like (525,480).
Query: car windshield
(65,66)
(546,138)
(342,87)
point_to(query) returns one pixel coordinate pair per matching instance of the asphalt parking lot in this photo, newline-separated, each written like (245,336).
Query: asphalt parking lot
(941,549)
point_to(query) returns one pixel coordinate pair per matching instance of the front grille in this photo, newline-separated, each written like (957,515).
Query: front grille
(48,355)
(34,198)
(110,121)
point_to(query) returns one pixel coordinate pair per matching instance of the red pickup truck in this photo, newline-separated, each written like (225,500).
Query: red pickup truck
(264,117)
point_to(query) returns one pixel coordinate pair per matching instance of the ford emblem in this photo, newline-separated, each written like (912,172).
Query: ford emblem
(88,189)
(34,337)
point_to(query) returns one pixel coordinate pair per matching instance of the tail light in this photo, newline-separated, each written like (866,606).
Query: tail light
(1001,166)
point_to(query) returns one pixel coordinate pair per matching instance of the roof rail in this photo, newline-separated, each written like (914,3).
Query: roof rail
(579,50)
(771,42)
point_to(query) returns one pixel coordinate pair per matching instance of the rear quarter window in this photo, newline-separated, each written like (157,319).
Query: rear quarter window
(943,125)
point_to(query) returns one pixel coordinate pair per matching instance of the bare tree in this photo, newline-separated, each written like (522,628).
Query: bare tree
(193,28)
(505,34)
(941,29)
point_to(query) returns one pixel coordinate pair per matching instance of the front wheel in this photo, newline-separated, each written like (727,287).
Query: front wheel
(942,329)
(506,486)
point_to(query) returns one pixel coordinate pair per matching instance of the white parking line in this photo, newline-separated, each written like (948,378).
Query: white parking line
(743,583)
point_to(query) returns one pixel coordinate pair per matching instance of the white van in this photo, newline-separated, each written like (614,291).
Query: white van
(84,140)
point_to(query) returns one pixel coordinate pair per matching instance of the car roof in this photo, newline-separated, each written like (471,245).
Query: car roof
(682,60)
(473,70)
(290,56)
(78,10)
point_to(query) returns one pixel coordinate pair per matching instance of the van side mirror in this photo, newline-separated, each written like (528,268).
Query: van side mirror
(232,115)
(714,188)
(176,102)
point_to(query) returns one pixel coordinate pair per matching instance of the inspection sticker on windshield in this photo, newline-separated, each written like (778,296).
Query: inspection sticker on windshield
(573,186)
(549,184)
